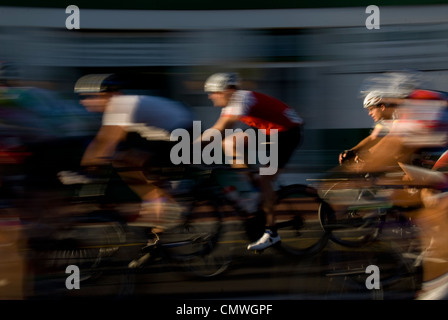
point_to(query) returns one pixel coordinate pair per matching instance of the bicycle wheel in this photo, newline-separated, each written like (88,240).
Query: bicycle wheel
(196,244)
(296,213)
(86,243)
(92,245)
(354,217)
(383,264)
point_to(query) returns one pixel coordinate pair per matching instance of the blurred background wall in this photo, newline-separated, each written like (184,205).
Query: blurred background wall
(313,57)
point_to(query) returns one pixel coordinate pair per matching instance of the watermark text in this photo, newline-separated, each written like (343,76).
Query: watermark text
(373,21)
(72,281)
(73,20)
(238,146)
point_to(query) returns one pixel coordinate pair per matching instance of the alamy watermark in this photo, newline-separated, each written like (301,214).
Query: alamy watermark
(73,21)
(373,21)
(373,281)
(73,280)
(242,141)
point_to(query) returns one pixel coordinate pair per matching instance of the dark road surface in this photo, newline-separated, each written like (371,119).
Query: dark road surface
(336,273)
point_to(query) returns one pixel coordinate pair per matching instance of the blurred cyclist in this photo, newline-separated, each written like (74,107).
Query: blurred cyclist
(258,111)
(382,150)
(382,113)
(135,133)
(421,123)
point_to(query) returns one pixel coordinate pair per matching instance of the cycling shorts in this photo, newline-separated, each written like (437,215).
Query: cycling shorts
(288,141)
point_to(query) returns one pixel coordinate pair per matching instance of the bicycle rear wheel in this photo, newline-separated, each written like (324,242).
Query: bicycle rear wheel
(296,213)
(196,244)
(349,271)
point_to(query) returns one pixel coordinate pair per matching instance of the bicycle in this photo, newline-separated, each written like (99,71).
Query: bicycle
(94,224)
(200,241)
(296,212)
(381,230)
(361,202)
(362,205)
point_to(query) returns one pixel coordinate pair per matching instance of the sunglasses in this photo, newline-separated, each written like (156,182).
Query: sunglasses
(91,96)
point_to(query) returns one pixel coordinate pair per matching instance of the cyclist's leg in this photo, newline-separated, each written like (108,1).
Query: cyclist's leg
(130,165)
(287,142)
(433,221)
(133,164)
(240,148)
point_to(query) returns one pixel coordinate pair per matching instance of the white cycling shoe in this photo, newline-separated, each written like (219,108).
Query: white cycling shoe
(264,242)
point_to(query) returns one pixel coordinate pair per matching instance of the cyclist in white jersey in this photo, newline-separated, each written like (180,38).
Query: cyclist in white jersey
(383,114)
(135,133)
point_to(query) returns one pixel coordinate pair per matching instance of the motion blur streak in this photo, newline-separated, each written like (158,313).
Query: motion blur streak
(313,59)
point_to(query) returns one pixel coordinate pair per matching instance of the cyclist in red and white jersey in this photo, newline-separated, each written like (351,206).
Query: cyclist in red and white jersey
(261,112)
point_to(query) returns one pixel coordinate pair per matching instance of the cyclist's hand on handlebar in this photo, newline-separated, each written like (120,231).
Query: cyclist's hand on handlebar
(73,177)
(347,155)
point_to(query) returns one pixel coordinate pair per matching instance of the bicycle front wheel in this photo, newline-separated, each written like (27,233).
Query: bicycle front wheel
(296,213)
(354,219)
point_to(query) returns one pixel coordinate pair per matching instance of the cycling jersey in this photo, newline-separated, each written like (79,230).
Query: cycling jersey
(261,111)
(152,117)
(382,128)
(423,119)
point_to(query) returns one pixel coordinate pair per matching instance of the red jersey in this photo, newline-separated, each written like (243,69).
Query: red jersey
(261,111)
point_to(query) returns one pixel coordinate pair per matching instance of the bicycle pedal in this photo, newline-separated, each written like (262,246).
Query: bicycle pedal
(139,262)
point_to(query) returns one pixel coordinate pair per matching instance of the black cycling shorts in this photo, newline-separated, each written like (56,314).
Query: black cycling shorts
(156,151)
(288,142)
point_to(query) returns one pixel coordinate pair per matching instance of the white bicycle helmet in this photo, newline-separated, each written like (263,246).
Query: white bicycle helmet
(372,99)
(95,83)
(221,81)
(392,84)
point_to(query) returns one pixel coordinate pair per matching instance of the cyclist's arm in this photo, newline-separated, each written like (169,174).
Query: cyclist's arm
(387,153)
(366,143)
(223,123)
(102,148)
(226,122)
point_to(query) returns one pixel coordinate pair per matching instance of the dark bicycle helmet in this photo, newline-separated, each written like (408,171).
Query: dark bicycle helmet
(95,83)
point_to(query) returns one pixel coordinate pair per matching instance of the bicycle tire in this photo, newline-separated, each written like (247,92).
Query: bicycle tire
(352,226)
(398,277)
(296,213)
(196,244)
(91,243)
(86,244)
